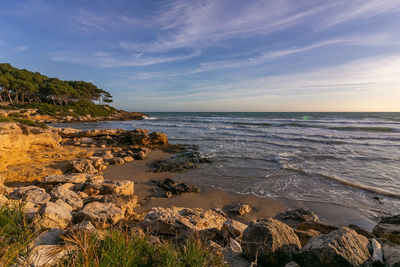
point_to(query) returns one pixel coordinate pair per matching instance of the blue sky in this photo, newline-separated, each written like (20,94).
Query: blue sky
(270,55)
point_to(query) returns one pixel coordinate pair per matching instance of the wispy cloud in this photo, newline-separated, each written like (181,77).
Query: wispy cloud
(104,59)
(22,47)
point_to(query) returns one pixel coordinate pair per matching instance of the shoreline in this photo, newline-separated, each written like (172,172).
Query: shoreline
(208,198)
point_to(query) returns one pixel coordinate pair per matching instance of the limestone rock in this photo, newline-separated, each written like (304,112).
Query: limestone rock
(232,229)
(52,215)
(128,158)
(33,194)
(123,187)
(45,250)
(175,220)
(271,241)
(117,161)
(102,214)
(85,226)
(377,253)
(74,178)
(69,132)
(294,217)
(388,228)
(175,188)
(240,209)
(140,137)
(158,138)
(63,204)
(342,247)
(127,203)
(97,162)
(305,235)
(68,196)
(83,166)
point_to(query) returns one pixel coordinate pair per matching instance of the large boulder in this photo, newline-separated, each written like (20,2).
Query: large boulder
(83,166)
(52,215)
(127,203)
(342,247)
(175,220)
(102,214)
(296,216)
(270,241)
(233,229)
(158,139)
(140,137)
(388,228)
(74,178)
(68,196)
(32,194)
(122,187)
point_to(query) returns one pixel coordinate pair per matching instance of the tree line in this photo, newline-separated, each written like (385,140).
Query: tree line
(20,86)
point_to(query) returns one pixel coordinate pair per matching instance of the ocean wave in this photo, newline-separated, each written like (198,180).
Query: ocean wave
(363,129)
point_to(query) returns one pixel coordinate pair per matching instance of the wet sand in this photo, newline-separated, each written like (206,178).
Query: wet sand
(150,195)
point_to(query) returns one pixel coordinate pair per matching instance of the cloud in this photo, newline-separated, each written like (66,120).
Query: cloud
(360,85)
(359,10)
(21,48)
(104,59)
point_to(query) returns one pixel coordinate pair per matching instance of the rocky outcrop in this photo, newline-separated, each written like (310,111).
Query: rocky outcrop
(52,215)
(102,214)
(31,194)
(388,228)
(270,242)
(74,178)
(68,196)
(123,187)
(180,162)
(297,216)
(342,247)
(83,166)
(170,185)
(175,220)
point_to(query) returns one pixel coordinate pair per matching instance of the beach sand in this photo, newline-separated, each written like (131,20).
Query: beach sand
(150,195)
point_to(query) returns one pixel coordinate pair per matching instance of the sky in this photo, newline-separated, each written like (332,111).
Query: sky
(214,55)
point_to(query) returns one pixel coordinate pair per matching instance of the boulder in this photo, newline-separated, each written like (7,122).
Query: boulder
(74,178)
(116,161)
(52,215)
(64,204)
(142,153)
(128,158)
(122,187)
(232,229)
(68,196)
(240,209)
(270,241)
(102,214)
(160,139)
(305,235)
(69,132)
(140,137)
(32,194)
(296,216)
(388,228)
(342,247)
(83,166)
(85,226)
(180,162)
(320,227)
(175,220)
(106,155)
(97,162)
(46,249)
(178,188)
(127,203)
(391,255)
(361,231)
(377,253)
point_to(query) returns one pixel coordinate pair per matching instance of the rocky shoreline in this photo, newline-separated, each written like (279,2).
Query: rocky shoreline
(68,194)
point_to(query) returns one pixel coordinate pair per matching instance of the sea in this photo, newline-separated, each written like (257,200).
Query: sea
(347,159)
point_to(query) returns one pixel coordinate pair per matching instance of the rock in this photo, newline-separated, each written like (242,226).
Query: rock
(179,162)
(305,235)
(377,253)
(391,255)
(292,264)
(74,178)
(86,140)
(64,204)
(127,203)
(46,249)
(294,217)
(168,194)
(342,247)
(30,211)
(142,153)
(97,162)
(235,260)
(232,229)
(69,132)
(83,166)
(128,158)
(52,215)
(140,137)
(106,155)
(272,242)
(240,209)
(171,186)
(102,214)
(68,196)
(33,194)
(158,139)
(85,226)
(320,227)
(181,220)
(116,161)
(122,187)
(388,228)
